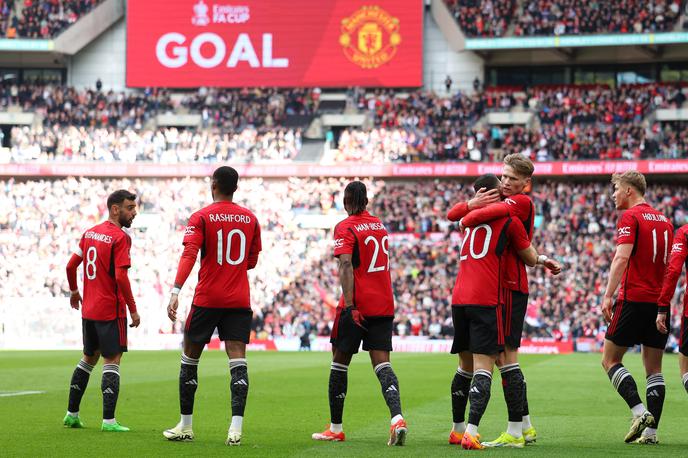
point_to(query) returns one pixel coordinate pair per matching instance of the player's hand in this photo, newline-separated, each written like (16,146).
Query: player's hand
(483,198)
(135,320)
(461,226)
(661,323)
(75,300)
(553,266)
(607,309)
(172,307)
(355,317)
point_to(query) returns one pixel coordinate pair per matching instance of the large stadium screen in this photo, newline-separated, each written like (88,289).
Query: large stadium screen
(334,43)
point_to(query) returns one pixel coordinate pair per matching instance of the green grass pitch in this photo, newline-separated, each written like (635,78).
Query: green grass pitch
(574,408)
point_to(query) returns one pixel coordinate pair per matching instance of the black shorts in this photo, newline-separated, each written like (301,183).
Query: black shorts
(515,315)
(107,337)
(231,324)
(634,323)
(347,337)
(478,329)
(683,338)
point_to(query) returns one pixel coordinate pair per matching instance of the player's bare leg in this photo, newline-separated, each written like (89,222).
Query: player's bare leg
(238,368)
(624,384)
(110,388)
(337,394)
(188,383)
(479,396)
(655,391)
(390,391)
(77,388)
(461,384)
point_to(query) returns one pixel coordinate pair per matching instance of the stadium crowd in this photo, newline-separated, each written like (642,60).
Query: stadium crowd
(575,122)
(295,284)
(571,17)
(498,18)
(42,18)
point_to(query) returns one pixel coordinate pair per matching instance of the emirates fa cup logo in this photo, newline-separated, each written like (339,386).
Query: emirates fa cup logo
(200,17)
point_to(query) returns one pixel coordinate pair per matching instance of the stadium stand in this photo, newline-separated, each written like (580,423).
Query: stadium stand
(42,220)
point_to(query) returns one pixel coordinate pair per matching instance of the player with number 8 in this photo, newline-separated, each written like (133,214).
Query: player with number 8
(228,237)
(104,317)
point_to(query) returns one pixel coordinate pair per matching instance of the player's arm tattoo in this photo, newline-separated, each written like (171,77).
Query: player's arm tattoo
(346,278)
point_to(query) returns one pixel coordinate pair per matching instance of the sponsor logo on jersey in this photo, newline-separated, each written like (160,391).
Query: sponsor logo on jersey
(624,231)
(510,201)
(677,247)
(189,230)
(338,243)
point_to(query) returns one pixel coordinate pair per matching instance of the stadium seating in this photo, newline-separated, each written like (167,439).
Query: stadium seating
(495,18)
(574,122)
(41,220)
(44,18)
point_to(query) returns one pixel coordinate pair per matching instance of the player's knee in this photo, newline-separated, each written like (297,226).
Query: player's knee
(91,359)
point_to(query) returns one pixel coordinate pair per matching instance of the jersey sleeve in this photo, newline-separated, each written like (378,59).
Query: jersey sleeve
(626,229)
(458,211)
(122,252)
(519,206)
(79,249)
(344,240)
(194,231)
(679,253)
(256,247)
(486,214)
(516,234)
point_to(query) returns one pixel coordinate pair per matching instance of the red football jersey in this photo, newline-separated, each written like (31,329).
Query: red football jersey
(651,234)
(227,235)
(484,249)
(365,238)
(677,258)
(515,275)
(103,248)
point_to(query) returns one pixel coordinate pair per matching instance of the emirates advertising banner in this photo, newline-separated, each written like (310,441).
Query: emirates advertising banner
(237,43)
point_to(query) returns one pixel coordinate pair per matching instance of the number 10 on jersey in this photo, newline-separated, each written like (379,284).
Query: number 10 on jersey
(233,236)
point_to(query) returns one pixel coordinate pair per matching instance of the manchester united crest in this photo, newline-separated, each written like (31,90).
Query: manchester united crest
(370,37)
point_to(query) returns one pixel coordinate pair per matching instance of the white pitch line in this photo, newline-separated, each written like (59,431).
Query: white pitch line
(18,393)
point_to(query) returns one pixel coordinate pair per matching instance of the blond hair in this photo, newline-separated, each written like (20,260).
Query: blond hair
(631,178)
(520,163)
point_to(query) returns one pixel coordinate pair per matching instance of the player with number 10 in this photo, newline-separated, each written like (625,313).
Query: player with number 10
(228,237)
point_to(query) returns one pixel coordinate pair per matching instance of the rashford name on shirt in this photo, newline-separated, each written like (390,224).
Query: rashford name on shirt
(229,218)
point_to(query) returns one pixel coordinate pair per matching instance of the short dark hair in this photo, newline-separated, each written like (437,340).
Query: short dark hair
(357,196)
(489,181)
(226,179)
(118,197)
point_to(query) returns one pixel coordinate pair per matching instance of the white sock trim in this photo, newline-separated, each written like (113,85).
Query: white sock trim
(396,418)
(381,366)
(336,427)
(186,420)
(638,410)
(190,361)
(484,372)
(237,424)
(509,368)
(339,367)
(464,374)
